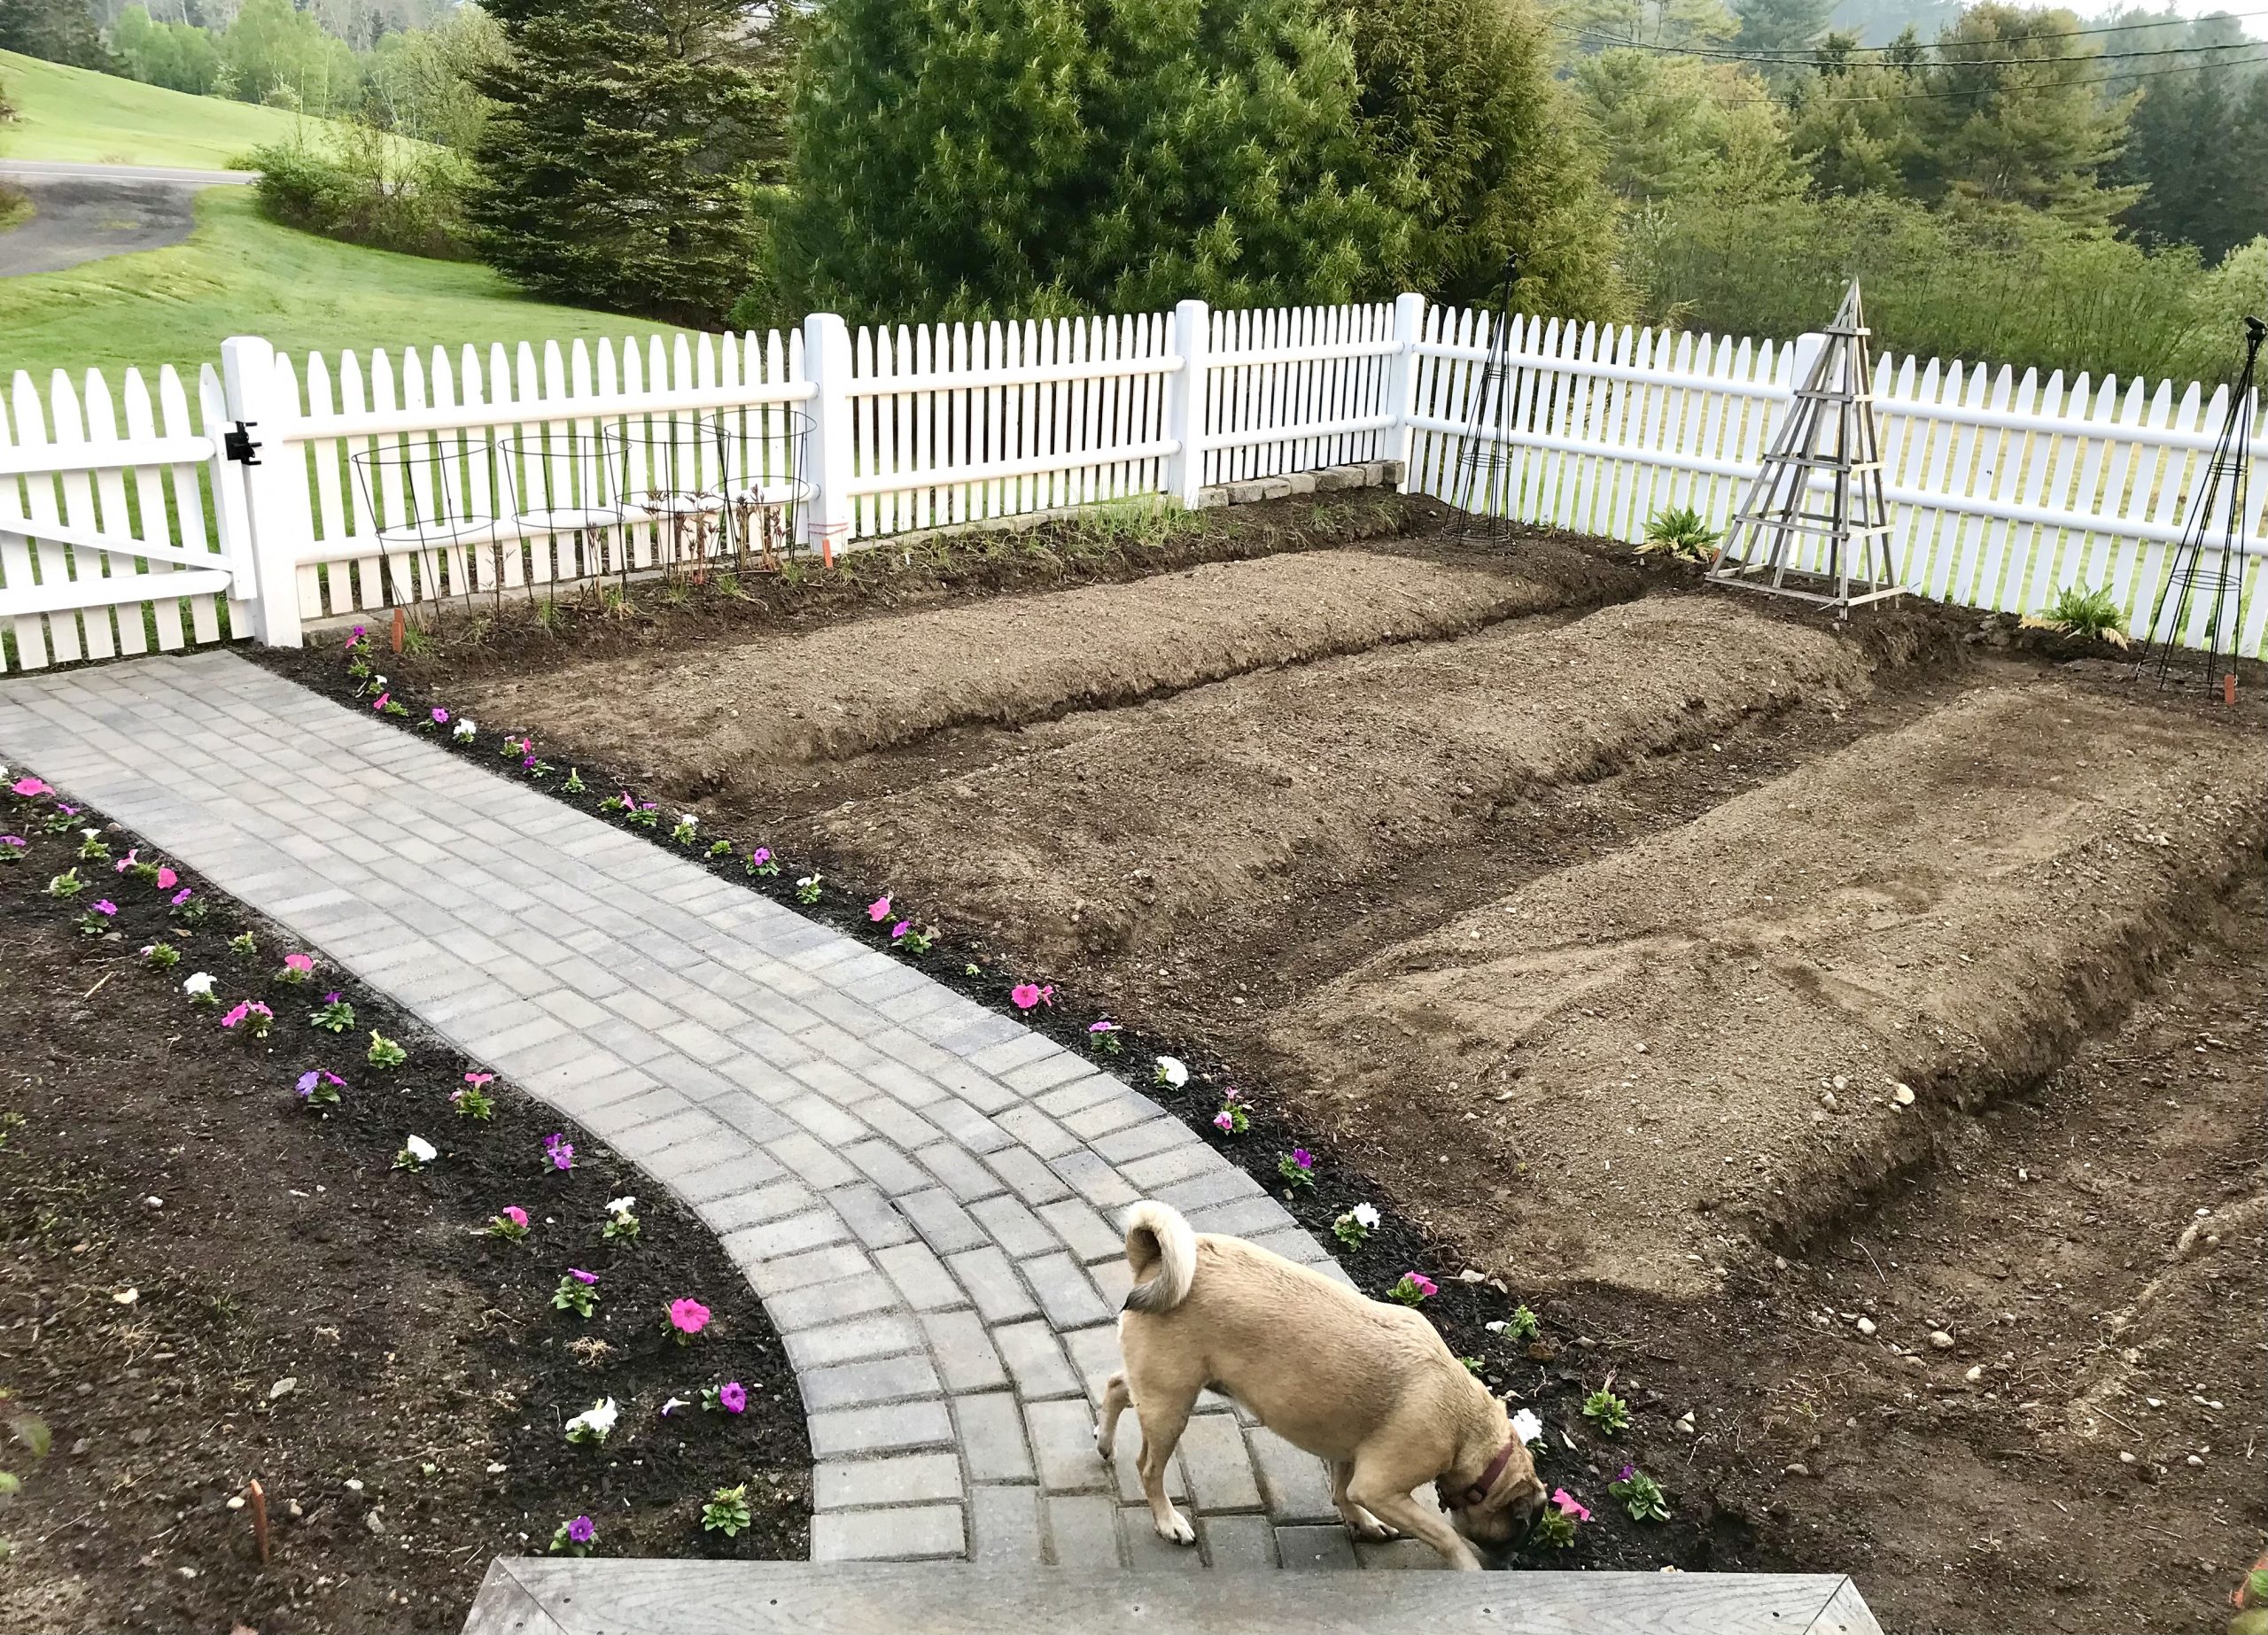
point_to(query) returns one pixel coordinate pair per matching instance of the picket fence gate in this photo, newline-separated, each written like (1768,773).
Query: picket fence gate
(129,523)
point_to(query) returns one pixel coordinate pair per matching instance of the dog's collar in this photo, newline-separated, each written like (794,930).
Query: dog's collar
(1479,1491)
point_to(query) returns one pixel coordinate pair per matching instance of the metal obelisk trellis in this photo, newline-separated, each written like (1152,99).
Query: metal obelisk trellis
(1481,490)
(2192,588)
(1830,431)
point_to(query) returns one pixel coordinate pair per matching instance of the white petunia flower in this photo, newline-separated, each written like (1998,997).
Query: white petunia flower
(464,729)
(197,986)
(422,1149)
(595,1424)
(1172,1071)
(673,1405)
(1365,1217)
(620,1205)
(687,821)
(92,834)
(1527,1427)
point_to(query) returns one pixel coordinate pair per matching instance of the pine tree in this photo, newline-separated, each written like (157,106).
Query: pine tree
(2199,143)
(616,167)
(56,31)
(1458,95)
(962,158)
(1787,27)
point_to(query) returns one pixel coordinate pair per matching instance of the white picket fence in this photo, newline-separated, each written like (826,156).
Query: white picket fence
(124,533)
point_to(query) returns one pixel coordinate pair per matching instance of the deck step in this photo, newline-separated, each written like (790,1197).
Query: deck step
(546,1596)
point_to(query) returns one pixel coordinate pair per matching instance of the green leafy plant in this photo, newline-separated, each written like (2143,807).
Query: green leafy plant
(243,946)
(574,784)
(2077,612)
(1523,1326)
(577,1292)
(727,1512)
(1640,1495)
(384,1052)
(1680,531)
(336,1016)
(1553,1529)
(1297,1168)
(92,849)
(1610,1413)
(807,889)
(66,885)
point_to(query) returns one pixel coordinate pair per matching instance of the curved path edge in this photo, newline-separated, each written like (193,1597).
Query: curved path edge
(924,1192)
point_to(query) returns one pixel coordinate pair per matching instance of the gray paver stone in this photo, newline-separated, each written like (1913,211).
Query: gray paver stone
(963,1350)
(1004,1526)
(1066,1292)
(1327,1549)
(838,1432)
(992,1437)
(920,1277)
(923,1532)
(1146,1551)
(884,1335)
(1239,1543)
(1082,1533)
(1292,1481)
(992,1283)
(1063,1442)
(1036,1361)
(1219,1470)
(901,1479)
(881,1379)
(943,1225)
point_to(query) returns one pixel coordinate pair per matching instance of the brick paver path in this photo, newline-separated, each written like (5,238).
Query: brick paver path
(923,1192)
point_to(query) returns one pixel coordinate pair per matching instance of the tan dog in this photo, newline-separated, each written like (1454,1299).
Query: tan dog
(1368,1388)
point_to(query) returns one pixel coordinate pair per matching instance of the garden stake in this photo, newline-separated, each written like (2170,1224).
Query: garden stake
(257,1496)
(2228,689)
(398,623)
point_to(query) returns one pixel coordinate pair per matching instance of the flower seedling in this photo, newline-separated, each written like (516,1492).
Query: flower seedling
(688,1318)
(188,908)
(903,936)
(575,1538)
(66,885)
(761,862)
(727,1512)
(594,1424)
(297,968)
(97,919)
(1354,1229)
(686,829)
(574,784)
(1171,1072)
(1528,1427)
(1524,1326)
(645,814)
(336,1016)
(1031,995)
(12,848)
(1640,1495)
(621,1220)
(253,1017)
(1415,1289)
(199,986)
(161,956)
(417,1153)
(558,1151)
(721,849)
(1233,1119)
(729,1397)
(319,1089)
(436,716)
(91,849)
(510,1223)
(577,1292)
(1297,1168)
(384,1052)
(1555,1527)
(1607,1411)
(242,945)
(807,889)
(463,729)
(472,1100)
(1104,1036)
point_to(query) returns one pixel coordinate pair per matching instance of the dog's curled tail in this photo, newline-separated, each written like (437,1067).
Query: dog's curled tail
(1162,1252)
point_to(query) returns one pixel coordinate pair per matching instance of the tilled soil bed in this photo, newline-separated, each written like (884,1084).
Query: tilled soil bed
(1728,1032)
(205,1284)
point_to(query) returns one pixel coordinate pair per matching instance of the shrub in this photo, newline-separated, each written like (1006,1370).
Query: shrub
(367,187)
(2077,612)
(1681,530)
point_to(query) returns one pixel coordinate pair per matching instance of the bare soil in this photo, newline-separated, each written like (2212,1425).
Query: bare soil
(756,721)
(1959,829)
(1663,1057)
(201,1283)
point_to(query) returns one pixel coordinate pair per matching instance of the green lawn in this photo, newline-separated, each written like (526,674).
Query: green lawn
(99,119)
(239,274)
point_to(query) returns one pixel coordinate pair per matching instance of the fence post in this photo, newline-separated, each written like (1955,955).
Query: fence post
(276,515)
(1402,383)
(1193,324)
(826,365)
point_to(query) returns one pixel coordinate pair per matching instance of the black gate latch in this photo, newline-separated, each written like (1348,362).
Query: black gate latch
(237,445)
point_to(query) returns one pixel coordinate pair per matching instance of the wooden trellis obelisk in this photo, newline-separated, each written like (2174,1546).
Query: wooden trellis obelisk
(1830,434)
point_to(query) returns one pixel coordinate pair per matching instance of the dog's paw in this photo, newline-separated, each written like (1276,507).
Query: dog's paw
(1176,1529)
(1368,1527)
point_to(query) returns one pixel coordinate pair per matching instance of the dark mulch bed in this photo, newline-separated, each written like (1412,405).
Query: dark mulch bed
(148,1149)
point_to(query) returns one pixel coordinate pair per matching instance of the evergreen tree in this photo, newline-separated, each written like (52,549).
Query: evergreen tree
(1786,27)
(56,31)
(1457,97)
(616,167)
(969,157)
(2198,143)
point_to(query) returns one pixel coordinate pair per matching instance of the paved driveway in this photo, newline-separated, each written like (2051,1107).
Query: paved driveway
(87,212)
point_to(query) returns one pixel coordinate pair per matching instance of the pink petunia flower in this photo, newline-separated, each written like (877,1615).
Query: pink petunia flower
(1025,994)
(440,717)
(732,1396)
(689,1317)
(105,908)
(127,862)
(1102,1027)
(477,1078)
(900,929)
(1569,1505)
(166,878)
(382,701)
(303,964)
(1424,1284)
(1224,1121)
(879,908)
(761,855)
(1305,1159)
(29,787)
(514,1213)
(236,1016)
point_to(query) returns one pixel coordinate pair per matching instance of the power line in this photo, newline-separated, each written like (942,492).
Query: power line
(1809,56)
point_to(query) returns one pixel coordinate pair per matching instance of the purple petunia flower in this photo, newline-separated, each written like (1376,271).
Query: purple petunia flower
(440,717)
(182,895)
(582,1276)
(732,1396)
(1302,1156)
(106,907)
(582,1530)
